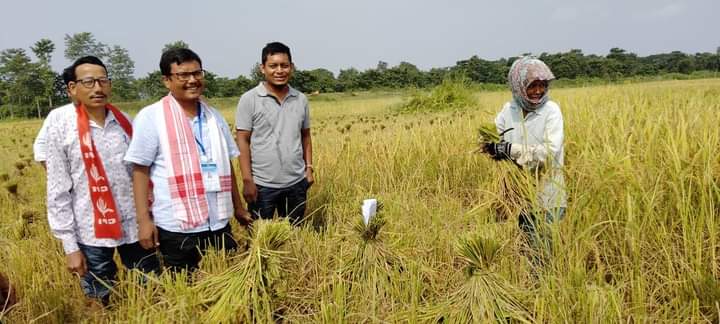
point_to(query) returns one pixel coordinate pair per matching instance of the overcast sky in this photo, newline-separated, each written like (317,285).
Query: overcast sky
(228,35)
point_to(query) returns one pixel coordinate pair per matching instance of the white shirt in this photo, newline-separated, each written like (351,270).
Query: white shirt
(145,150)
(70,212)
(538,145)
(40,144)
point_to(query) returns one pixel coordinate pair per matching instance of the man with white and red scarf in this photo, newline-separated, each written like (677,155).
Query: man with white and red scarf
(185,148)
(89,198)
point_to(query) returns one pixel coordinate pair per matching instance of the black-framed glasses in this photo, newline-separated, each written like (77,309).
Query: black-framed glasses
(185,76)
(90,82)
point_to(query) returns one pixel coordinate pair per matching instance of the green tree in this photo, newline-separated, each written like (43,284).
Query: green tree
(479,70)
(256,74)
(348,80)
(175,44)
(405,74)
(121,69)
(301,80)
(22,82)
(83,44)
(225,87)
(436,75)
(568,65)
(43,50)
(626,62)
(211,85)
(381,66)
(321,80)
(242,84)
(707,61)
(150,87)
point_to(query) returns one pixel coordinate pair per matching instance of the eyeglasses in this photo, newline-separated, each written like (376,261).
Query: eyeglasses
(90,82)
(185,76)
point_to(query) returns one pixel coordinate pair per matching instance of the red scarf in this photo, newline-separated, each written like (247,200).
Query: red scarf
(107,222)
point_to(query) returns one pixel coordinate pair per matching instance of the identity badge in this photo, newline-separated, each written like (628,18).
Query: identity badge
(211,179)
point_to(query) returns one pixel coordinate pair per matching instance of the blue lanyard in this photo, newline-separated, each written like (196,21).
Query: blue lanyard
(199,142)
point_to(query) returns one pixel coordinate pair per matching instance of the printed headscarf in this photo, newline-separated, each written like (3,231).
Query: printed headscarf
(524,71)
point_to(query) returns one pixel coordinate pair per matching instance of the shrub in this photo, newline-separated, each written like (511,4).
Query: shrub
(451,94)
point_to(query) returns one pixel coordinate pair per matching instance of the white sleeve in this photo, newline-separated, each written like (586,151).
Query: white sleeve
(40,144)
(500,121)
(59,186)
(536,155)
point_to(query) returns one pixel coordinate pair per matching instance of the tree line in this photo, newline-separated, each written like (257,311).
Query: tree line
(30,88)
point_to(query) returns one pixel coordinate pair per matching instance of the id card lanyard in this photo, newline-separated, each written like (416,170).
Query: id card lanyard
(211,180)
(200,127)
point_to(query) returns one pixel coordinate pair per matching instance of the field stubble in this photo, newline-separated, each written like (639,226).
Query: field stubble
(639,242)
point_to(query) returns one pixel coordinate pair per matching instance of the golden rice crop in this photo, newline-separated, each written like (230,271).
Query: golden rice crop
(244,292)
(640,241)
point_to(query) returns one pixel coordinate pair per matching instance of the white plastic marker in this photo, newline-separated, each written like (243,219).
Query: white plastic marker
(369,208)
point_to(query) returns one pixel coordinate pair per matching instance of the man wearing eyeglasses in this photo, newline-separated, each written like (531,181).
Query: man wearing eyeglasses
(185,147)
(89,199)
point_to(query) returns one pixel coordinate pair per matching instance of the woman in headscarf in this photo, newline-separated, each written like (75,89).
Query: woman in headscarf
(531,128)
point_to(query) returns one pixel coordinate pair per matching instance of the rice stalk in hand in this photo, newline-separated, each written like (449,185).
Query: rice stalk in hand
(514,188)
(487,133)
(244,292)
(516,191)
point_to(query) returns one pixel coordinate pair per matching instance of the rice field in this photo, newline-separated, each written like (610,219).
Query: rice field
(639,243)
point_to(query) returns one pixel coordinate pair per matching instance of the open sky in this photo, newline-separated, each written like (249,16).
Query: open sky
(336,34)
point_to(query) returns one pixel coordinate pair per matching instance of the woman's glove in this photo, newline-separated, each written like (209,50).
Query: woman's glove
(499,150)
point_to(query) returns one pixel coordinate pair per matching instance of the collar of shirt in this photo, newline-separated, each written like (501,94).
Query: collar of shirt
(202,113)
(109,118)
(539,111)
(262,91)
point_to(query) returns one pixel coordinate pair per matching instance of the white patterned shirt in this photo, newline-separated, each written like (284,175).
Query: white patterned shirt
(70,212)
(40,144)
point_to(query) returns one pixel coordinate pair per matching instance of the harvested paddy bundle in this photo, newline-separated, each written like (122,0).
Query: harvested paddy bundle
(244,292)
(373,265)
(485,297)
(513,188)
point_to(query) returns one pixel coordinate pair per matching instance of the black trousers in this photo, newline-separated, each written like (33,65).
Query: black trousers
(288,202)
(184,250)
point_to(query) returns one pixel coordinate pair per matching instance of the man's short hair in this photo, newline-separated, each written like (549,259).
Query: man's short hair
(177,56)
(275,48)
(67,75)
(72,76)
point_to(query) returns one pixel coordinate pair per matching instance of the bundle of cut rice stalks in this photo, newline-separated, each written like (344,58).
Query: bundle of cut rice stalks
(245,291)
(373,266)
(513,188)
(485,297)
